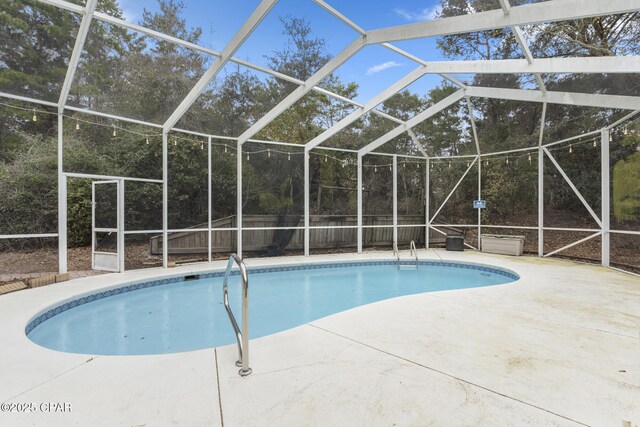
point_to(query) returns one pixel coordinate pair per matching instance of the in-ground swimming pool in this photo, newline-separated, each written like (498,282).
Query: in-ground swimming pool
(173,315)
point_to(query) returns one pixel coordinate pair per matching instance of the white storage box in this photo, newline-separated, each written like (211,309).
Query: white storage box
(502,244)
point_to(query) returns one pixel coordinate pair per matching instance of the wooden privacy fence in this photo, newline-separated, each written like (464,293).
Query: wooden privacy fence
(195,242)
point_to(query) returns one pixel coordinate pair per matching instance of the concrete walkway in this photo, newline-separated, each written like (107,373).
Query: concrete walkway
(561,346)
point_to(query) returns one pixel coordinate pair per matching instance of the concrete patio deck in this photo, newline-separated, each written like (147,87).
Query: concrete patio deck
(561,346)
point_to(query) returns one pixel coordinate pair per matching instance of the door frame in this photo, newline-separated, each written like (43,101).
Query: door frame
(111,262)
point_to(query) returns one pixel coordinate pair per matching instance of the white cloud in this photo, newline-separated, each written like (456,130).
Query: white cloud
(425,14)
(382,67)
(130,10)
(129,15)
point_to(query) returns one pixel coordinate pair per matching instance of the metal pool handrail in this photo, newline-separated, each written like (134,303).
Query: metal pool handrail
(241,337)
(414,251)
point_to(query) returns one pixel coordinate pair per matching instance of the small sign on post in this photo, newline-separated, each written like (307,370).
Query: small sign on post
(479,204)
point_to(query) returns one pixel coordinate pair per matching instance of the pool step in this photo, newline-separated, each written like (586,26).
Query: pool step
(407,267)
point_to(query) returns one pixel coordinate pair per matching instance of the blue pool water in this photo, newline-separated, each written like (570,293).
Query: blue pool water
(190,315)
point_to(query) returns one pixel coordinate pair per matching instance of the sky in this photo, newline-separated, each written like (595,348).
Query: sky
(374,67)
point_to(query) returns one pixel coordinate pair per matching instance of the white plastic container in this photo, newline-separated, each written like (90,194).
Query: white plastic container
(502,244)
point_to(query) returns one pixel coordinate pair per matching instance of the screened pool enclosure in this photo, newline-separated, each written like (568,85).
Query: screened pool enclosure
(557,160)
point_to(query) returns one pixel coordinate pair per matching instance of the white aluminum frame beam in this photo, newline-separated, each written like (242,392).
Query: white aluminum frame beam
(394,170)
(62,200)
(376,100)
(605,196)
(417,143)
(519,36)
(454,188)
(422,62)
(299,92)
(477,141)
(624,119)
(165,199)
(541,182)
(473,125)
(549,11)
(589,65)
(572,185)
(307,210)
(27,236)
(414,121)
(71,7)
(517,32)
(505,5)
(121,226)
(27,99)
(98,177)
(83,31)
(570,245)
(359,195)
(209,199)
(245,31)
(427,201)
(355,27)
(565,98)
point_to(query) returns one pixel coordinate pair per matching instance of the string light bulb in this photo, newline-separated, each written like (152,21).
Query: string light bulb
(626,129)
(114,130)
(529,158)
(77,125)
(225,148)
(202,145)
(288,156)
(486,162)
(147,139)
(507,160)
(418,165)
(344,164)
(595,142)
(467,164)
(175,141)
(404,165)
(247,157)
(449,164)
(326,159)
(34,118)
(610,138)
(269,152)
(375,168)
(391,168)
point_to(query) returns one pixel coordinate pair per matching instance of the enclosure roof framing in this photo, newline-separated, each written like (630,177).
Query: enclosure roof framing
(507,16)
(299,92)
(536,13)
(83,31)
(104,17)
(565,98)
(389,46)
(417,119)
(381,97)
(245,31)
(524,47)
(587,65)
